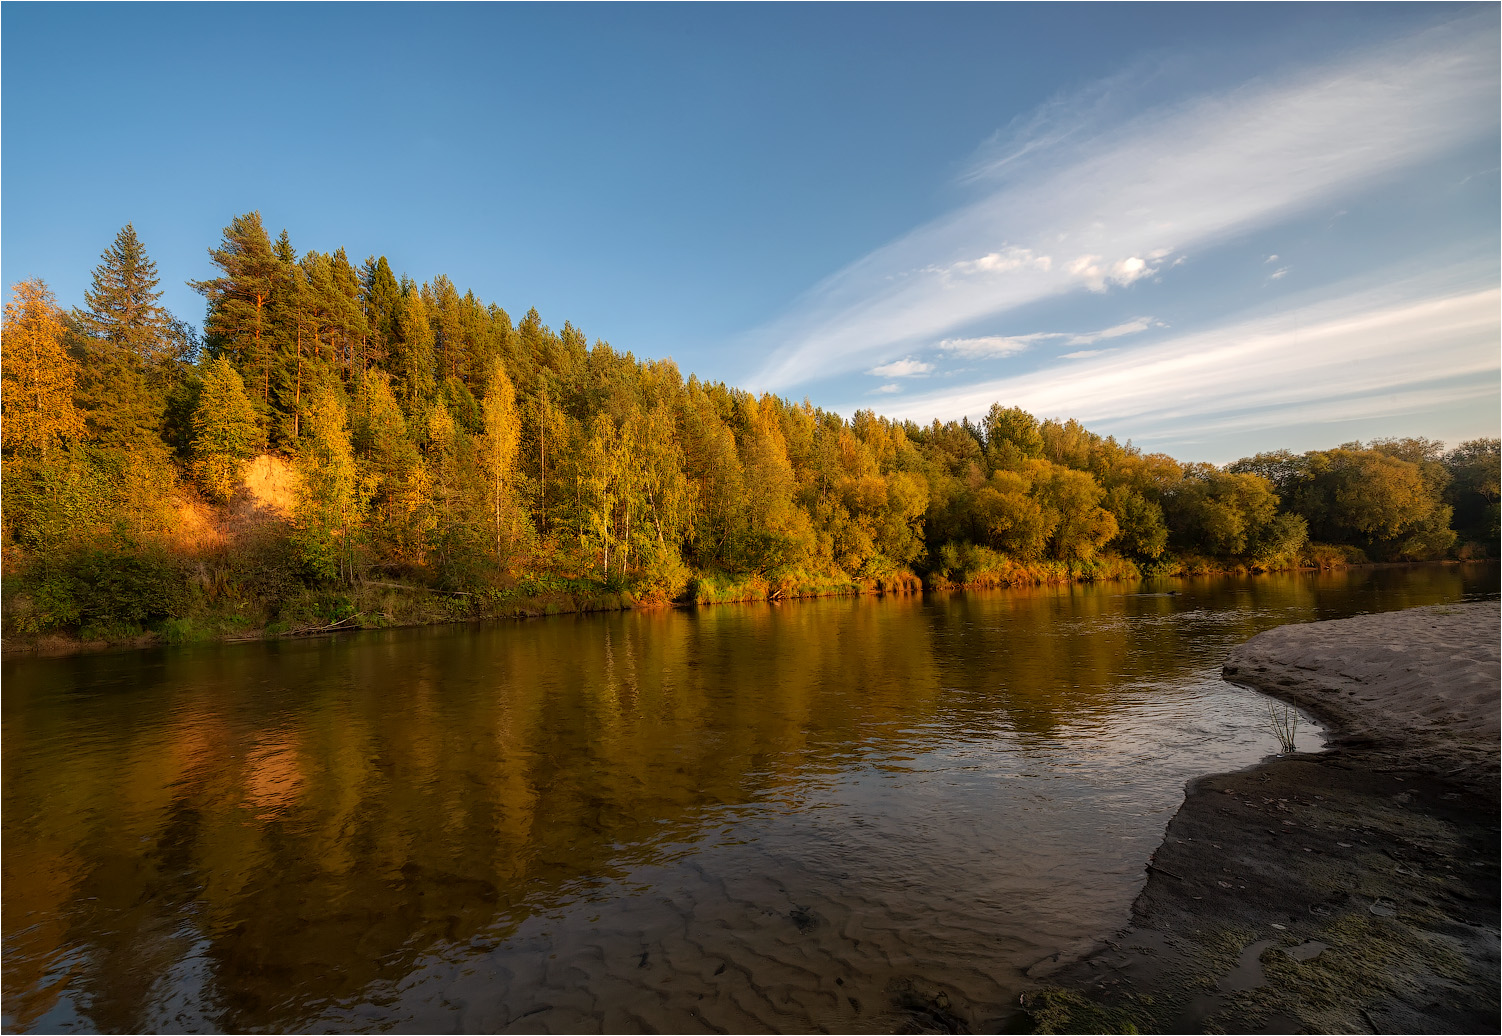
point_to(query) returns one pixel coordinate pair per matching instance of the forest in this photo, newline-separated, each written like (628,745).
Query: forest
(342,447)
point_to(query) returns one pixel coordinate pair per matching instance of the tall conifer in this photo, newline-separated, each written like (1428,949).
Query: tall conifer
(122,303)
(126,342)
(236,326)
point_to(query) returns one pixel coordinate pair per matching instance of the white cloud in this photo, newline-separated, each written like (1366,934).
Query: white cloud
(1008,260)
(890,386)
(908,368)
(1084,354)
(1131,327)
(1097,275)
(992,345)
(1271,259)
(1101,210)
(1008,345)
(1278,274)
(1365,347)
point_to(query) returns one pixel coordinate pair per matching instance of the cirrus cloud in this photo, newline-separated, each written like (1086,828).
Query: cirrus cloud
(1102,210)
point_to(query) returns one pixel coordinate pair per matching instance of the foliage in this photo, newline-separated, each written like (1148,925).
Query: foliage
(226,432)
(1475,470)
(499,467)
(331,507)
(1386,498)
(38,375)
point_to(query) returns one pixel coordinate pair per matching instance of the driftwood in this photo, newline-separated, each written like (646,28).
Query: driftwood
(324,629)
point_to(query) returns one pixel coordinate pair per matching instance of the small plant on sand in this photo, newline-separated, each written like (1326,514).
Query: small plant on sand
(1285,724)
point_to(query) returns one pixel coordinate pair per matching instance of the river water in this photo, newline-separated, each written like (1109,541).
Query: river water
(858,814)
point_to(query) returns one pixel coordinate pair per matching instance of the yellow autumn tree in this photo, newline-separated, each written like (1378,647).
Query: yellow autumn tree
(38,375)
(334,493)
(497,446)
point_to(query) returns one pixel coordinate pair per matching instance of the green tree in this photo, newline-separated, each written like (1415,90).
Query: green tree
(1071,503)
(1141,531)
(1221,513)
(411,364)
(237,325)
(333,494)
(123,301)
(1475,469)
(401,484)
(1009,518)
(548,428)
(226,432)
(1012,436)
(293,331)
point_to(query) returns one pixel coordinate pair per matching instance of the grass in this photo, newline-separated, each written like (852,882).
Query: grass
(1055,1010)
(1285,724)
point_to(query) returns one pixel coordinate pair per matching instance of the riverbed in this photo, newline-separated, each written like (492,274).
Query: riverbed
(851,814)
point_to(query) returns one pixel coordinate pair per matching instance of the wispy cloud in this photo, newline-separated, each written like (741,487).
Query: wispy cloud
(1131,327)
(1085,354)
(908,368)
(1008,345)
(1278,274)
(889,387)
(993,345)
(1361,345)
(1098,210)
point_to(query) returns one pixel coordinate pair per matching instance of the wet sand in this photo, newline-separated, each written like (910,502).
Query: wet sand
(1354,890)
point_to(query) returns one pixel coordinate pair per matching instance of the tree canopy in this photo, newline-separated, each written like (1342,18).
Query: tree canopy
(433,440)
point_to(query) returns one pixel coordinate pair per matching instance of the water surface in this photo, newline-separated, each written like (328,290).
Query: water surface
(836,814)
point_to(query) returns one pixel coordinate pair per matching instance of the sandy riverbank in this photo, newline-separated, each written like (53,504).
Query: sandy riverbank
(1354,890)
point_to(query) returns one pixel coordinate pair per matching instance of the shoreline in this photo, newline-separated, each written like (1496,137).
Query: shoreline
(1354,889)
(59,645)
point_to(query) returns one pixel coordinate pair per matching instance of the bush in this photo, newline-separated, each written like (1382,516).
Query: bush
(102,593)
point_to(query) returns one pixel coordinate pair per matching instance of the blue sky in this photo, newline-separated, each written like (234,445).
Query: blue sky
(1212,230)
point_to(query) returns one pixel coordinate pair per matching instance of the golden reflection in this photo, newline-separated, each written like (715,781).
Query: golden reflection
(273,777)
(316,815)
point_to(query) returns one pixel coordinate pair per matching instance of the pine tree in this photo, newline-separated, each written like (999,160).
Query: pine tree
(289,325)
(237,325)
(38,374)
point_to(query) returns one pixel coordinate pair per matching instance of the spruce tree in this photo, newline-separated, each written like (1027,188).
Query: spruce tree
(380,298)
(122,304)
(126,343)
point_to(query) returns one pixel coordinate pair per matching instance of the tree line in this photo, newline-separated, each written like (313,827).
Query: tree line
(435,444)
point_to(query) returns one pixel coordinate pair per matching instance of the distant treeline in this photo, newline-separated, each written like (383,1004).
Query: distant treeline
(437,447)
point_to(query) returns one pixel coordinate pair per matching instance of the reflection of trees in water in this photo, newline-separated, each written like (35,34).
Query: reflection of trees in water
(311,817)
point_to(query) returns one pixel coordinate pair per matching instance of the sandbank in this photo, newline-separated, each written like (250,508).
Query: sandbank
(1350,890)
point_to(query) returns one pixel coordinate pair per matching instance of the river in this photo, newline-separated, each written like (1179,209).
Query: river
(856,814)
